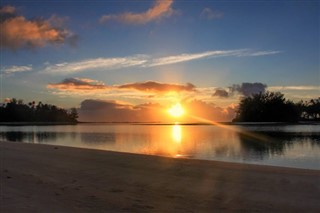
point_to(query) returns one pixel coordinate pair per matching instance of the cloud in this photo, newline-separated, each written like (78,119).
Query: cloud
(245,89)
(298,92)
(299,88)
(188,57)
(105,111)
(97,64)
(7,10)
(15,69)
(19,32)
(221,93)
(91,104)
(260,53)
(115,111)
(161,8)
(137,90)
(248,89)
(144,61)
(208,13)
(208,54)
(152,86)
(76,84)
(201,111)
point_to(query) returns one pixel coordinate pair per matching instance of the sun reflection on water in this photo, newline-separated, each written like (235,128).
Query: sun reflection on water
(176,133)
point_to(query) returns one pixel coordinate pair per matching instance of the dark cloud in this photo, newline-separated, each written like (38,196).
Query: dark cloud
(91,104)
(248,89)
(19,32)
(77,84)
(221,93)
(152,86)
(115,111)
(105,111)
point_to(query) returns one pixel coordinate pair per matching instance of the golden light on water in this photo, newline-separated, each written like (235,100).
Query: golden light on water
(177,133)
(176,110)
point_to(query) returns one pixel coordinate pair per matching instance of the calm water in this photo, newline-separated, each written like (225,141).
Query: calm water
(280,145)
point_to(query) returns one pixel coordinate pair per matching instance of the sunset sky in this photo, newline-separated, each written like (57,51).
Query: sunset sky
(133,59)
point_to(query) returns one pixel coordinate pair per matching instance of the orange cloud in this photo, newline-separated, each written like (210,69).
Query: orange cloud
(78,84)
(18,32)
(152,86)
(87,85)
(160,9)
(201,111)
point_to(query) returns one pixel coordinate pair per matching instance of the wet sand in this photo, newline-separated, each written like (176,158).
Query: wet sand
(43,178)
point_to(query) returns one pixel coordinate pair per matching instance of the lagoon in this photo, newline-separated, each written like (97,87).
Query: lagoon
(295,146)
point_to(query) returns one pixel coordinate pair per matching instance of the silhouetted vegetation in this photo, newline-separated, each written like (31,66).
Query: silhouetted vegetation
(310,110)
(17,111)
(273,107)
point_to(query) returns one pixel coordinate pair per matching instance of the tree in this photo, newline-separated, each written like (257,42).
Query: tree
(310,110)
(73,114)
(267,107)
(17,111)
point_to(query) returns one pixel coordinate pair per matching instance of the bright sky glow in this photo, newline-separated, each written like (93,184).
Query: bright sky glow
(176,110)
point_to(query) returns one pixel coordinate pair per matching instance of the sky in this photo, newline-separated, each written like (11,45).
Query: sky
(130,60)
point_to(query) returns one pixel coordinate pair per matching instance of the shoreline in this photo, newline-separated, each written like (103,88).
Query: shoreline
(162,124)
(39,178)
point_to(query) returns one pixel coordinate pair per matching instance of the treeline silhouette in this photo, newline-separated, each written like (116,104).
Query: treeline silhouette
(273,107)
(16,111)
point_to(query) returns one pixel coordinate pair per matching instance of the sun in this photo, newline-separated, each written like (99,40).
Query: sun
(176,110)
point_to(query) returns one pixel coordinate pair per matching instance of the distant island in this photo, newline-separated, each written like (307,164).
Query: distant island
(273,107)
(17,111)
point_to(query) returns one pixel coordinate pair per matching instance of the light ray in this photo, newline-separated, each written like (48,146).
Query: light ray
(232,128)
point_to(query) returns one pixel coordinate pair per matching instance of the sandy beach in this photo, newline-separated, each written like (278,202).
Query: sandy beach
(44,178)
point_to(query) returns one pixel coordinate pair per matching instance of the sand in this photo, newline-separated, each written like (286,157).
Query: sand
(44,178)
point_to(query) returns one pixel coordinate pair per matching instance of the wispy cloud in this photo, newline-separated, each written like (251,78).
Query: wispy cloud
(298,92)
(299,88)
(161,8)
(146,60)
(208,13)
(15,69)
(193,56)
(97,64)
(260,53)
(19,32)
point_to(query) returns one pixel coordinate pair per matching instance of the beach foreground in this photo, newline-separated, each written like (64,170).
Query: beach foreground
(43,178)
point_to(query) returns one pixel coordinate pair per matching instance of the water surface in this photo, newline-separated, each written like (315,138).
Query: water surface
(279,145)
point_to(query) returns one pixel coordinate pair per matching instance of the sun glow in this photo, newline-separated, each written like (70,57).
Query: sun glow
(176,110)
